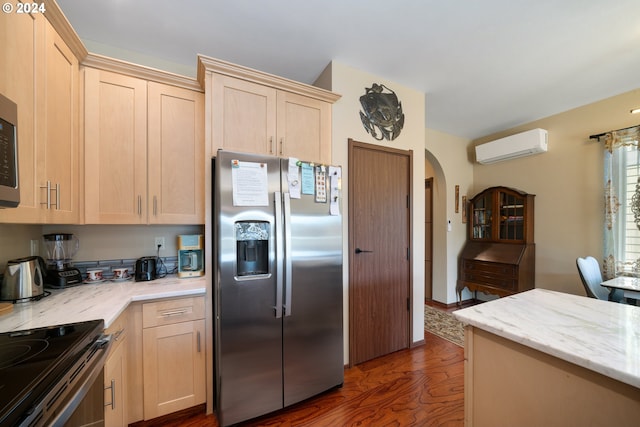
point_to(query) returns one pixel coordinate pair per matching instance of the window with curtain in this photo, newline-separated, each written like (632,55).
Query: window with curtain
(622,202)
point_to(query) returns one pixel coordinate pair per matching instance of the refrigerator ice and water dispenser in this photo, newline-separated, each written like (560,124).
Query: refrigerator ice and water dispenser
(252,248)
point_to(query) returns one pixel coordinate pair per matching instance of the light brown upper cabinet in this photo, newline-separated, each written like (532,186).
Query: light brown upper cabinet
(144,148)
(20,67)
(115,148)
(40,74)
(175,155)
(61,133)
(255,112)
(304,127)
(243,116)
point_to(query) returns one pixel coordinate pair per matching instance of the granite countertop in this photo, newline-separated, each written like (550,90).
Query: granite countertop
(106,300)
(598,335)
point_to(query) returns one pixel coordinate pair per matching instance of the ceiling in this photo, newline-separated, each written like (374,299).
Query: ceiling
(484,66)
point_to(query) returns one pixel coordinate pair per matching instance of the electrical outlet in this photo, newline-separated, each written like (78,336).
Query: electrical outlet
(160,242)
(33,247)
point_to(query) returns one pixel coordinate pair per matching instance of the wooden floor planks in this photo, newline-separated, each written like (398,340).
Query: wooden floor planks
(423,386)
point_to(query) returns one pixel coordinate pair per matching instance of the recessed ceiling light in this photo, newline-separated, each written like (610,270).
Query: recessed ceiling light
(635,111)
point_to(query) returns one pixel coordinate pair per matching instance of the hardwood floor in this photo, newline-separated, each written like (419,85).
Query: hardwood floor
(423,386)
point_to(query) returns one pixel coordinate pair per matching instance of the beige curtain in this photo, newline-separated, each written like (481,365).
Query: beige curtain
(620,153)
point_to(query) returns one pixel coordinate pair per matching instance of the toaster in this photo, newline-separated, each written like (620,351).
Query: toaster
(145,269)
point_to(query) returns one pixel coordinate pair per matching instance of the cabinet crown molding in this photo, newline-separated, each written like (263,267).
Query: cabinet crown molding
(106,63)
(63,27)
(212,65)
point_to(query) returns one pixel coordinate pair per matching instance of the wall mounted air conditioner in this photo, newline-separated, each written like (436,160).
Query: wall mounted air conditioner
(519,145)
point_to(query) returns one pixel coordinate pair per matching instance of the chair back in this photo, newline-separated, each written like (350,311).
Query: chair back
(591,277)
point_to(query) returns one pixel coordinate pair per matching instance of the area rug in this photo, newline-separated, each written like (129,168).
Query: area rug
(444,325)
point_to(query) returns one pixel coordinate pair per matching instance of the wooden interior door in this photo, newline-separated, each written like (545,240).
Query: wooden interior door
(380,248)
(428,239)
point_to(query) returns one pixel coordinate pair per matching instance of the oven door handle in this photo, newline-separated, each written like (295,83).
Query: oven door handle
(95,366)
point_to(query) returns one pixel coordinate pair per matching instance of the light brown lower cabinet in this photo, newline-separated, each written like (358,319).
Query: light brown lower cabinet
(115,375)
(156,364)
(173,345)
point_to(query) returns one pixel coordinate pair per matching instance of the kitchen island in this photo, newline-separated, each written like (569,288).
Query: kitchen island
(106,301)
(548,358)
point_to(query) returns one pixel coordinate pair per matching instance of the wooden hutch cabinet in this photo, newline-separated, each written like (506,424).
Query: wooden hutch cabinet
(499,255)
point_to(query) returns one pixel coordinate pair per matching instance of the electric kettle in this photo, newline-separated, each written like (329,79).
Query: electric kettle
(23,279)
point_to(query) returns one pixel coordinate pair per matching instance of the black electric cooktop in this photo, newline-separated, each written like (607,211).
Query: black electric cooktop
(33,361)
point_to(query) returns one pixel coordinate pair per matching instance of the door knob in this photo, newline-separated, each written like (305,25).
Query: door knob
(359,251)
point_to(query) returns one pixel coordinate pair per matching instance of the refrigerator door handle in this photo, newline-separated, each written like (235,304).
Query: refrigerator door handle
(287,254)
(279,254)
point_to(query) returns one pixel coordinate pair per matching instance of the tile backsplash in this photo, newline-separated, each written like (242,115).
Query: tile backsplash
(122,243)
(165,266)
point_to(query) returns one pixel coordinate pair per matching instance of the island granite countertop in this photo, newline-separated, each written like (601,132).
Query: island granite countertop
(598,335)
(106,301)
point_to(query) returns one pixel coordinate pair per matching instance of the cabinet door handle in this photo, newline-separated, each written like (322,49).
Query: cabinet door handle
(57,196)
(271,145)
(281,145)
(48,188)
(139,205)
(116,336)
(199,349)
(155,205)
(174,312)
(113,395)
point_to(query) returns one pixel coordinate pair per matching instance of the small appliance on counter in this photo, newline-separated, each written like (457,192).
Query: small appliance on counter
(61,248)
(145,269)
(23,279)
(190,255)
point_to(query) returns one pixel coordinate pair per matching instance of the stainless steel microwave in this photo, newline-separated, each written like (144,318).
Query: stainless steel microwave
(9,188)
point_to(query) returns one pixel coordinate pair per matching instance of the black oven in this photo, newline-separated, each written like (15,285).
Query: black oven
(9,189)
(53,376)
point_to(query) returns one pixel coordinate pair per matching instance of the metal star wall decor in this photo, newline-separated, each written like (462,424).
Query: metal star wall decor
(382,112)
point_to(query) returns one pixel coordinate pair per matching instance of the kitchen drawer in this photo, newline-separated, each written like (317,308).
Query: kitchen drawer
(118,331)
(172,311)
(472,267)
(493,281)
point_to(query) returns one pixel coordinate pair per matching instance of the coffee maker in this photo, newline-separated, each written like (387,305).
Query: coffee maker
(190,255)
(61,248)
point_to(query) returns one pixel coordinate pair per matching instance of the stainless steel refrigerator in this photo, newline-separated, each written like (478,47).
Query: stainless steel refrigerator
(277,283)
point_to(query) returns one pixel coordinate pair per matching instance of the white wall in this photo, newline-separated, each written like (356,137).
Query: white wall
(15,241)
(124,241)
(568,184)
(351,84)
(97,242)
(448,157)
